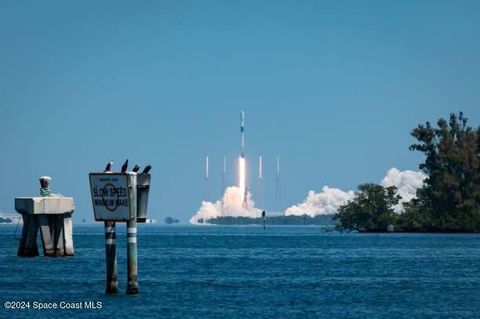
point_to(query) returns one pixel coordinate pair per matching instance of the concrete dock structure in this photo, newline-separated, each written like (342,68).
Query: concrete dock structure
(53,216)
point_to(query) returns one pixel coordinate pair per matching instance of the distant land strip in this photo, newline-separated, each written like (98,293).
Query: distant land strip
(320,220)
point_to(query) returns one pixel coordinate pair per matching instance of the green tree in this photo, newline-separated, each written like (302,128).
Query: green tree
(370,210)
(414,219)
(450,199)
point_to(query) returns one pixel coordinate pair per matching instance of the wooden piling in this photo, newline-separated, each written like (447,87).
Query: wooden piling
(111,256)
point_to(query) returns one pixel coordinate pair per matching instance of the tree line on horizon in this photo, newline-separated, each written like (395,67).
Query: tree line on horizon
(449,200)
(319,220)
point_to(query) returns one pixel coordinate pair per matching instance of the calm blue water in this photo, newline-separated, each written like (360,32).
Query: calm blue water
(245,272)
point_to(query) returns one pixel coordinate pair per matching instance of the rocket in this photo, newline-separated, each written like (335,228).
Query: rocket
(242,170)
(242,132)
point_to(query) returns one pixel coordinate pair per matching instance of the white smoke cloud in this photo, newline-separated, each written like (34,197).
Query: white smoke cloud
(407,183)
(230,205)
(330,199)
(326,202)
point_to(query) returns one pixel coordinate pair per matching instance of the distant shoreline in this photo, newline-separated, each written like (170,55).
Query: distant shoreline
(325,221)
(305,220)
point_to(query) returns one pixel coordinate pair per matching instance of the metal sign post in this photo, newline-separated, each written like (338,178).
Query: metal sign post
(114,199)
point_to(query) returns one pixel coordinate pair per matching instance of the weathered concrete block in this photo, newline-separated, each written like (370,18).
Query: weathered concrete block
(53,215)
(44,205)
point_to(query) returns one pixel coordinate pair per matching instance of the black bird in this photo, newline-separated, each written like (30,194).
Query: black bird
(108,168)
(147,169)
(124,166)
(135,168)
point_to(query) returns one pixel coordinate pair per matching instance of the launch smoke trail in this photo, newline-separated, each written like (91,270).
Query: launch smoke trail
(231,204)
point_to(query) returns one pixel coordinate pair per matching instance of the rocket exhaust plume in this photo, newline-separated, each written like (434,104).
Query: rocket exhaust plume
(241,174)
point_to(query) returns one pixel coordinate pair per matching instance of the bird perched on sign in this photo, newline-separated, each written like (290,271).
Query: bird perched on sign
(135,168)
(147,169)
(125,166)
(108,168)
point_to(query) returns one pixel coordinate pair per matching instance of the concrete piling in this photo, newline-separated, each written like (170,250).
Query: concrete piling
(56,234)
(68,234)
(28,243)
(132,257)
(58,240)
(46,232)
(111,257)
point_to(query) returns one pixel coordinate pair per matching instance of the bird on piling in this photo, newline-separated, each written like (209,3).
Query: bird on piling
(108,168)
(125,166)
(135,168)
(147,169)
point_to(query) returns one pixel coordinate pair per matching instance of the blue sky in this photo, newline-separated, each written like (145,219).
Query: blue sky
(332,87)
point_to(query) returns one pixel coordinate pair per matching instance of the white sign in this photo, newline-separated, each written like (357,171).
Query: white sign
(110,196)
